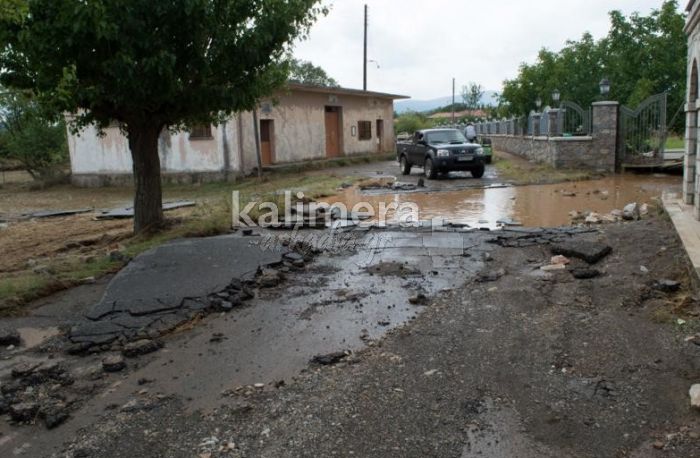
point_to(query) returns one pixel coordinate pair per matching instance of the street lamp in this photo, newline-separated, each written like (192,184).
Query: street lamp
(604,87)
(556,95)
(538,103)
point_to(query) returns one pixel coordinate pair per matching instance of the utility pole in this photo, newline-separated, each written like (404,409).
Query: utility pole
(364,61)
(453,102)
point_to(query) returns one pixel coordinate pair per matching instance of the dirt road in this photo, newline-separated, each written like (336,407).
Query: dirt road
(504,360)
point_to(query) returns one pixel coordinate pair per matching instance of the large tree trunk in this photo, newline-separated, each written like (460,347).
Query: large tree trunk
(148,199)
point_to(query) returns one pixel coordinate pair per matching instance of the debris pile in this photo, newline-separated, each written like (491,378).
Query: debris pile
(34,392)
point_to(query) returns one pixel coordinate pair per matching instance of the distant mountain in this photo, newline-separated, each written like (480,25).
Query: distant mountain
(403,106)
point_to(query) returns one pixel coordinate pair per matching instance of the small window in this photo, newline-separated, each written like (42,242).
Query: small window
(364,129)
(201,131)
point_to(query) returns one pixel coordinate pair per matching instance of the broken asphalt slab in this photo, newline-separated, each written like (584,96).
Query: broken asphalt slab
(591,252)
(128,212)
(56,213)
(169,284)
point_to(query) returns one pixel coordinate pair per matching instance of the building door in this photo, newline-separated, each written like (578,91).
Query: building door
(266,143)
(380,135)
(333,131)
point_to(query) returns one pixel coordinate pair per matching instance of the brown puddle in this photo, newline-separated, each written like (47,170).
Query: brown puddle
(547,205)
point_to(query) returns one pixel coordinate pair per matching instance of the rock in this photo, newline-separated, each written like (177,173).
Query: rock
(695,396)
(593,218)
(269,278)
(79,348)
(553,267)
(421,183)
(24,370)
(559,259)
(24,411)
(631,212)
(330,359)
(585,274)
(54,415)
(293,256)
(644,210)
(568,193)
(418,299)
(490,276)
(10,337)
(591,252)
(141,347)
(667,286)
(113,363)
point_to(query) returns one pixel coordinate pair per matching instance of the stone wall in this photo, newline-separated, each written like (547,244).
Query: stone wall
(596,152)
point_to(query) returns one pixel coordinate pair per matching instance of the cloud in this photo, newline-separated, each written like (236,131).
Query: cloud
(420,46)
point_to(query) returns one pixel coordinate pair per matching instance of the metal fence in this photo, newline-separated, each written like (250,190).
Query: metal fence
(570,120)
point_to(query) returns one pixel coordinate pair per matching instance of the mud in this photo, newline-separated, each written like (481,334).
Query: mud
(532,206)
(531,364)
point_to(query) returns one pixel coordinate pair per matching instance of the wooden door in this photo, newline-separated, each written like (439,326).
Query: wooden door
(266,146)
(332,131)
(380,135)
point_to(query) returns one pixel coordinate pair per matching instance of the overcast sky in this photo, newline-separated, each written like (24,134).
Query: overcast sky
(420,45)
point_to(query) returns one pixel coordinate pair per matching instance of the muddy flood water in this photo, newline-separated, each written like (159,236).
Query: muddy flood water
(533,206)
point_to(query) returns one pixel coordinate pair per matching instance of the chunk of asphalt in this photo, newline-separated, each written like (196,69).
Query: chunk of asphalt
(591,252)
(141,347)
(330,358)
(585,274)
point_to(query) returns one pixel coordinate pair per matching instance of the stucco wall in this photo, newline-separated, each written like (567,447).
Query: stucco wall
(298,135)
(109,153)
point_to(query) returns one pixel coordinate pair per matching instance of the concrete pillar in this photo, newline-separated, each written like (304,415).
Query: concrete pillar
(604,133)
(536,124)
(553,122)
(690,157)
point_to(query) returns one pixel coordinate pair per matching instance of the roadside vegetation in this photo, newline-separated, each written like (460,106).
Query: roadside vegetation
(41,257)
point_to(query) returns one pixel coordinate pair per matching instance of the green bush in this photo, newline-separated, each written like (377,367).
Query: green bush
(28,137)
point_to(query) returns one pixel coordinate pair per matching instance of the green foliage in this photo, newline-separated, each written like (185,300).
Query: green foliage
(411,122)
(28,137)
(471,95)
(166,63)
(307,73)
(641,55)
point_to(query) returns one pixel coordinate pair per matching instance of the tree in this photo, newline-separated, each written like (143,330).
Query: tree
(151,65)
(307,73)
(471,95)
(410,122)
(29,138)
(641,55)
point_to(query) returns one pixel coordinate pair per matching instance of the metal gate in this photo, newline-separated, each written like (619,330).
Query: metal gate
(642,133)
(573,119)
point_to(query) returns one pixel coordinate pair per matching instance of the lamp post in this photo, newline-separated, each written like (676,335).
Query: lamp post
(604,87)
(538,103)
(556,95)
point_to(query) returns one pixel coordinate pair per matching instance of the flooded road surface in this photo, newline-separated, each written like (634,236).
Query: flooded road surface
(534,205)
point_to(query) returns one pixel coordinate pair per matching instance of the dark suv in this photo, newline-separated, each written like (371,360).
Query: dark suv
(440,151)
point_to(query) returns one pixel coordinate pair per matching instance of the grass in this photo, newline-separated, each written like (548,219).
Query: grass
(520,172)
(675,142)
(211,216)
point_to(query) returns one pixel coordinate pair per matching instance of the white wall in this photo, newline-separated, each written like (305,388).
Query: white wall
(299,134)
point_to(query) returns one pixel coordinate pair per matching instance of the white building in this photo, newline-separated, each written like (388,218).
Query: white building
(301,123)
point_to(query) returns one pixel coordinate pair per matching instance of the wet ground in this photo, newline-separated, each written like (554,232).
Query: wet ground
(532,206)
(515,361)
(448,343)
